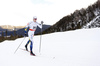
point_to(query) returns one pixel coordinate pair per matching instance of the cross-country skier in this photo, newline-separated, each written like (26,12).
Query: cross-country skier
(32,28)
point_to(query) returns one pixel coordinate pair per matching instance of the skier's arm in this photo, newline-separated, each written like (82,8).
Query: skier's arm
(26,29)
(39,25)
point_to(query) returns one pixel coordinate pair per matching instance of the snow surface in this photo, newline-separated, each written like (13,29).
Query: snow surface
(70,48)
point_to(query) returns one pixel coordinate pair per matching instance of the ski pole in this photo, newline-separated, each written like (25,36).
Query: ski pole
(19,45)
(40,38)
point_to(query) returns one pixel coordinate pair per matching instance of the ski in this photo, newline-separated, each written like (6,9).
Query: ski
(27,51)
(24,49)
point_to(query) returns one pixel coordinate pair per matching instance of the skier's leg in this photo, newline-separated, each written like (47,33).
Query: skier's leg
(27,44)
(31,45)
(31,33)
(28,41)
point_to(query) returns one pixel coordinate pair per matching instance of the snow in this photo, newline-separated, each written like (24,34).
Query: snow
(70,48)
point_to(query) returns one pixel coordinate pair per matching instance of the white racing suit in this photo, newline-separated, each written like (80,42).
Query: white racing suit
(32,28)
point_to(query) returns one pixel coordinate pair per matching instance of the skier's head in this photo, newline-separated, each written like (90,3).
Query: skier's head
(34,18)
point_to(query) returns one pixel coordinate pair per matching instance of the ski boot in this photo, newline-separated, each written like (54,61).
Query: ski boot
(31,53)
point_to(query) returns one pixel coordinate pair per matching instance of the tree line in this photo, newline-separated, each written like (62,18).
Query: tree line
(5,36)
(76,20)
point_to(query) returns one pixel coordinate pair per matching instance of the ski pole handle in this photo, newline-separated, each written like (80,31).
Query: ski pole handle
(42,22)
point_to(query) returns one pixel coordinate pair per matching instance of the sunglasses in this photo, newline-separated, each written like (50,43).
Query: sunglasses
(35,19)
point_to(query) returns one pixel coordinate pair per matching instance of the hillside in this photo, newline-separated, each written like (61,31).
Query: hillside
(79,19)
(71,48)
(93,23)
(10,27)
(19,30)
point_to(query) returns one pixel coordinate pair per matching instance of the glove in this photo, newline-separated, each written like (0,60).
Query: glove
(25,31)
(25,34)
(42,22)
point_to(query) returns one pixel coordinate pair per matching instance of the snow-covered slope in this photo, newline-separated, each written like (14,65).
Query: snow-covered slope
(71,48)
